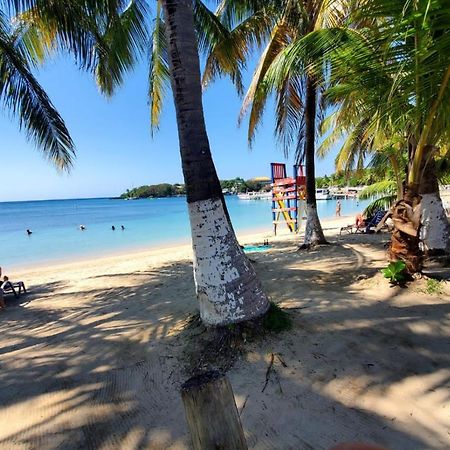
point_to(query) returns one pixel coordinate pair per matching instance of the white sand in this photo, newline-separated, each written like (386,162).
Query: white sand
(91,357)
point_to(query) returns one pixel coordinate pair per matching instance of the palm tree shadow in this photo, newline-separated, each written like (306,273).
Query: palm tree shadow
(105,370)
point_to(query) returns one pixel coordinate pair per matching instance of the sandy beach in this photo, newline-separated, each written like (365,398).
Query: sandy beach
(92,356)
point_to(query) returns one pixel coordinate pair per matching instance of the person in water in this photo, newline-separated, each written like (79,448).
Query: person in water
(338,208)
(29,232)
(123,228)
(113,228)
(82,227)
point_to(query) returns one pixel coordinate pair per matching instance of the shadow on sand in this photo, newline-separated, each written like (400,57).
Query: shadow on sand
(103,370)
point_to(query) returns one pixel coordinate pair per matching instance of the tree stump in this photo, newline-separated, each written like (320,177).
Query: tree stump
(211,413)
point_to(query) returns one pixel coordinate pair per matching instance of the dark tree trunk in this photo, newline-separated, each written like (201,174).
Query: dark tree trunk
(226,284)
(313,232)
(404,245)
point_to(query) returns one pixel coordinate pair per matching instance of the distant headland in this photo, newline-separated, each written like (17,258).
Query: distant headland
(232,186)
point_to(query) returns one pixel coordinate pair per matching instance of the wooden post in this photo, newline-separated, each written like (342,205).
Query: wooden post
(211,413)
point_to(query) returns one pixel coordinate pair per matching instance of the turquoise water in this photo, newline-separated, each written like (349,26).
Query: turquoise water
(148,223)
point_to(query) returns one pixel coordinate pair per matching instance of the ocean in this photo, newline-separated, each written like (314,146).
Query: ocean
(148,223)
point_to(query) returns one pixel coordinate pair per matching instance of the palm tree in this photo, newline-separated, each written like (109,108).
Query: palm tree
(109,37)
(279,23)
(396,71)
(227,287)
(24,98)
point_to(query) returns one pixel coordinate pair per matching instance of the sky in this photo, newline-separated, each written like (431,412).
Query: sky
(114,146)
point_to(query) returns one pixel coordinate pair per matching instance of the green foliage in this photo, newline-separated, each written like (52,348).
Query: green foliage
(350,178)
(434,287)
(235,185)
(23,97)
(276,319)
(155,190)
(395,272)
(385,188)
(382,203)
(169,190)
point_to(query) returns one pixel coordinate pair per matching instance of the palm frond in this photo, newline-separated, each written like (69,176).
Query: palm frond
(120,45)
(25,99)
(384,188)
(257,93)
(159,74)
(382,203)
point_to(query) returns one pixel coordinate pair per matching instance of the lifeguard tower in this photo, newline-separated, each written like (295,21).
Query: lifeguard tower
(288,197)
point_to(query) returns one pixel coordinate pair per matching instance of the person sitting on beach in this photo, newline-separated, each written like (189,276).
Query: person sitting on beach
(360,221)
(7,285)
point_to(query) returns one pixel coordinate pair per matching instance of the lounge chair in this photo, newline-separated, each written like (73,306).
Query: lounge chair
(13,288)
(374,221)
(365,226)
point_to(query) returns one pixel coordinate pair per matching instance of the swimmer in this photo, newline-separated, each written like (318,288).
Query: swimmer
(29,232)
(82,227)
(123,228)
(113,228)
(338,208)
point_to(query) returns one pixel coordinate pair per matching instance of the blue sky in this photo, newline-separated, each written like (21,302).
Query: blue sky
(115,150)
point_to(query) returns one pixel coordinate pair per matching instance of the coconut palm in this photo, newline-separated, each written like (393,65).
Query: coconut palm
(405,51)
(23,97)
(227,287)
(298,96)
(109,38)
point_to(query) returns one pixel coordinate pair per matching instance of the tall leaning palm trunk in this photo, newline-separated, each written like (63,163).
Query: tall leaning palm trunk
(313,232)
(227,287)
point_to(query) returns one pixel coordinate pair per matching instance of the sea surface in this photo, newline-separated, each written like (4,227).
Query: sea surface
(149,223)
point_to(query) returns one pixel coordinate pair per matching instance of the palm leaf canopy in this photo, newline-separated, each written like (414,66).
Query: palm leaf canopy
(392,70)
(25,99)
(272,27)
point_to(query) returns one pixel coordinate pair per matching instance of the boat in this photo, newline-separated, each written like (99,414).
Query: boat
(322,194)
(255,196)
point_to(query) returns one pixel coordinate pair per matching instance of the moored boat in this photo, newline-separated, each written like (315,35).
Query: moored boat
(322,194)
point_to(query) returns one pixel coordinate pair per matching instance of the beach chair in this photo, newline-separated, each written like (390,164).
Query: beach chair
(13,288)
(358,226)
(379,218)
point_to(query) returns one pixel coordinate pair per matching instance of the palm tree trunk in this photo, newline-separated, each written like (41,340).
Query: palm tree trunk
(405,241)
(398,177)
(420,222)
(313,232)
(435,229)
(227,287)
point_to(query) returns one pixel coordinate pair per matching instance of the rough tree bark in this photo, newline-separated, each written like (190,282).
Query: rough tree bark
(404,245)
(313,231)
(227,287)
(421,226)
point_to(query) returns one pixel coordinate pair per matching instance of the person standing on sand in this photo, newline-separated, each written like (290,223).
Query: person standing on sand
(338,208)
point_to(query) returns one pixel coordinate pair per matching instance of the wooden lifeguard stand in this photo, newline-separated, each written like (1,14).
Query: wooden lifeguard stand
(288,196)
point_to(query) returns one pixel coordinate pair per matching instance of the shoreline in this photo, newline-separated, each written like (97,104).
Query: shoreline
(95,354)
(182,247)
